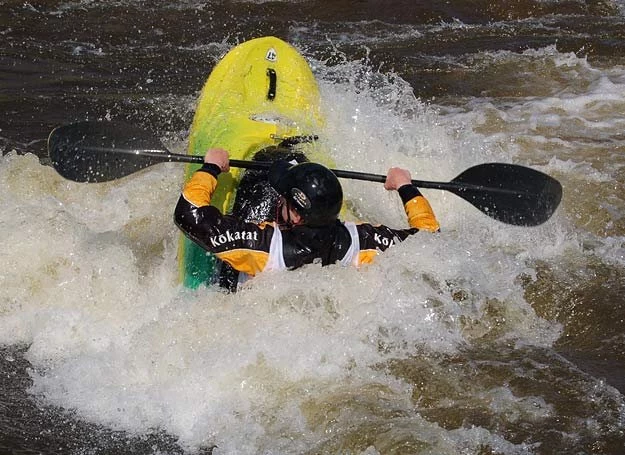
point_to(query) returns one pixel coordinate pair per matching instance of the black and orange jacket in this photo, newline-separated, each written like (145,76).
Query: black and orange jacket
(252,248)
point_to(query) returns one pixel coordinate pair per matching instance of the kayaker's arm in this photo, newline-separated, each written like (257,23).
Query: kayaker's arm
(373,239)
(202,184)
(243,245)
(418,209)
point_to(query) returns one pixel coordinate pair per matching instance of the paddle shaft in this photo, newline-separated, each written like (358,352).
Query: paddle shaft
(262,165)
(104,151)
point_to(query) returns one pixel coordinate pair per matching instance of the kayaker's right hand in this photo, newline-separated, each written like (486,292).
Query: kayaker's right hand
(218,157)
(396,178)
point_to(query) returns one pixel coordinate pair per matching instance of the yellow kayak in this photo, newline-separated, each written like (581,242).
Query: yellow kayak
(260,93)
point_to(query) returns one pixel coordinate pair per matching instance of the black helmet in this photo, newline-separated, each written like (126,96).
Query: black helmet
(311,189)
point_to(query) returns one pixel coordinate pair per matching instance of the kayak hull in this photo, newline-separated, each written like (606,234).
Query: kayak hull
(261,92)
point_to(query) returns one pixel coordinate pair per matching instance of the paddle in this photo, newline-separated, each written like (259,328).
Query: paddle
(103,151)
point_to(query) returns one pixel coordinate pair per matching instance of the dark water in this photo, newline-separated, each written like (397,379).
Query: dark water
(66,61)
(528,357)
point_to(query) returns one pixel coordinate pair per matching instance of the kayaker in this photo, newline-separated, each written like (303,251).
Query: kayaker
(307,229)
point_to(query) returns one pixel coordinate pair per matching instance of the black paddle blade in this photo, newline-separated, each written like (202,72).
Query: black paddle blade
(102,151)
(510,193)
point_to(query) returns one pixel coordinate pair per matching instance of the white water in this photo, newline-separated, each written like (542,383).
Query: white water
(293,360)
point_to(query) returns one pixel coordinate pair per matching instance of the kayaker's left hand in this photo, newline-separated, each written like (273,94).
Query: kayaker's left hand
(219,157)
(396,178)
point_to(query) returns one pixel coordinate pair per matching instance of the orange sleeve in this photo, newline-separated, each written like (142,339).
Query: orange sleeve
(367,256)
(199,189)
(421,215)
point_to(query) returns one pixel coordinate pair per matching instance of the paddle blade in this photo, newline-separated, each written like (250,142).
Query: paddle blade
(510,193)
(102,151)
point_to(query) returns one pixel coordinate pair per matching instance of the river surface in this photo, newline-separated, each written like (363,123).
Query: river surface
(487,338)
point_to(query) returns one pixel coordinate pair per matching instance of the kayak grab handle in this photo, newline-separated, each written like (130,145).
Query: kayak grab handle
(273,82)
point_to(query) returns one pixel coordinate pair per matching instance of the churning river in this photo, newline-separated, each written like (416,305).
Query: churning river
(487,338)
